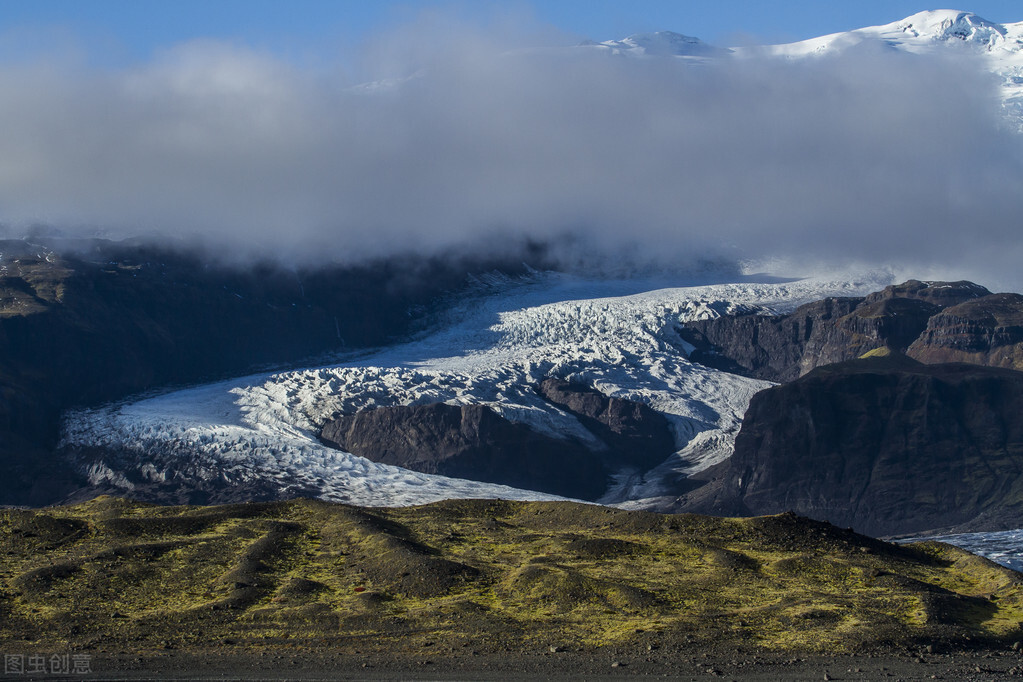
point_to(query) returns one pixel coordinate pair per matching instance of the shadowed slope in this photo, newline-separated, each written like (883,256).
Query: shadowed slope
(883,443)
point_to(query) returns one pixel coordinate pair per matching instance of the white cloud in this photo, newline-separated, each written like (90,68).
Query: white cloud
(873,155)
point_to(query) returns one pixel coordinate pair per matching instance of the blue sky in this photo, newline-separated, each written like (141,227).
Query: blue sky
(134,29)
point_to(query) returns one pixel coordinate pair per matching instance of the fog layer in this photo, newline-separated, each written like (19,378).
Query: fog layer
(870,156)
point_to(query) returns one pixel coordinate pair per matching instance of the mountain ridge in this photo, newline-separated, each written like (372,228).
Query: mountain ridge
(885,444)
(929,321)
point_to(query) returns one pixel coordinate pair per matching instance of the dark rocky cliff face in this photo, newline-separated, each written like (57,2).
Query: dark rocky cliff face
(635,435)
(87,322)
(470,441)
(886,445)
(474,442)
(783,348)
(771,348)
(983,331)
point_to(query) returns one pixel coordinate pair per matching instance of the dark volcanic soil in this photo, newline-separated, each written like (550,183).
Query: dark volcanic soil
(668,662)
(488,589)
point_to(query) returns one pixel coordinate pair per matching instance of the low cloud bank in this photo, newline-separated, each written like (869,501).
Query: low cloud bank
(870,156)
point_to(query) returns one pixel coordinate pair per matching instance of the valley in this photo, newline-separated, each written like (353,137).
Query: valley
(260,433)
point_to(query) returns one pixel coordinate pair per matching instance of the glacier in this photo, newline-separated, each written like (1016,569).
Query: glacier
(618,334)
(259,432)
(1004,547)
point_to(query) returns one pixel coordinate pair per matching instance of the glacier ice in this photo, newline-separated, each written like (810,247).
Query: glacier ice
(619,336)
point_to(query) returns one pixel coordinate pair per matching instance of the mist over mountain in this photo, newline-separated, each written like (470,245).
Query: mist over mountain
(446,137)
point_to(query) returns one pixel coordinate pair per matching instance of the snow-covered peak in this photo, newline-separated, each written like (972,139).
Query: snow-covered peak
(661,43)
(998,46)
(917,33)
(948,25)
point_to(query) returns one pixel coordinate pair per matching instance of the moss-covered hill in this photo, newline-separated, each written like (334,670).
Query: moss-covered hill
(492,575)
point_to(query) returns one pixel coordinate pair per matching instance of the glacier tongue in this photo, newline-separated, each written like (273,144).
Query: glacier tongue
(258,433)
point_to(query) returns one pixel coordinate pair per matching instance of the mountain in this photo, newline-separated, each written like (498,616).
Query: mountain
(863,433)
(921,33)
(660,44)
(999,47)
(884,444)
(930,321)
(987,330)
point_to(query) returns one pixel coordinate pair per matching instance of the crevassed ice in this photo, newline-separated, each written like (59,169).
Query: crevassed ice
(262,428)
(1003,547)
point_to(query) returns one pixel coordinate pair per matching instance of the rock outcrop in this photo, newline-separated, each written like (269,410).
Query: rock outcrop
(635,435)
(983,331)
(782,348)
(475,442)
(472,442)
(887,445)
(765,347)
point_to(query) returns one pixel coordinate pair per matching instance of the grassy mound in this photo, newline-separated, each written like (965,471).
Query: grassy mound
(489,575)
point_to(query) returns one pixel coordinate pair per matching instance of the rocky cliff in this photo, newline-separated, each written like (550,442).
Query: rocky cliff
(984,331)
(472,442)
(635,435)
(887,445)
(784,347)
(475,442)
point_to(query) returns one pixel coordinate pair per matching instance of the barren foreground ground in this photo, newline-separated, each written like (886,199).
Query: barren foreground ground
(489,590)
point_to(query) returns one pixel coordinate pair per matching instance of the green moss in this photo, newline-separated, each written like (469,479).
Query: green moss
(131,574)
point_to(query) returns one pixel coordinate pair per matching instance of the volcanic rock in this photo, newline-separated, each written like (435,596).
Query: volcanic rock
(984,331)
(476,443)
(472,442)
(635,434)
(785,347)
(884,444)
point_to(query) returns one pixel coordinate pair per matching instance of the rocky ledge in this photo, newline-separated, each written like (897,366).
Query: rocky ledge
(917,318)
